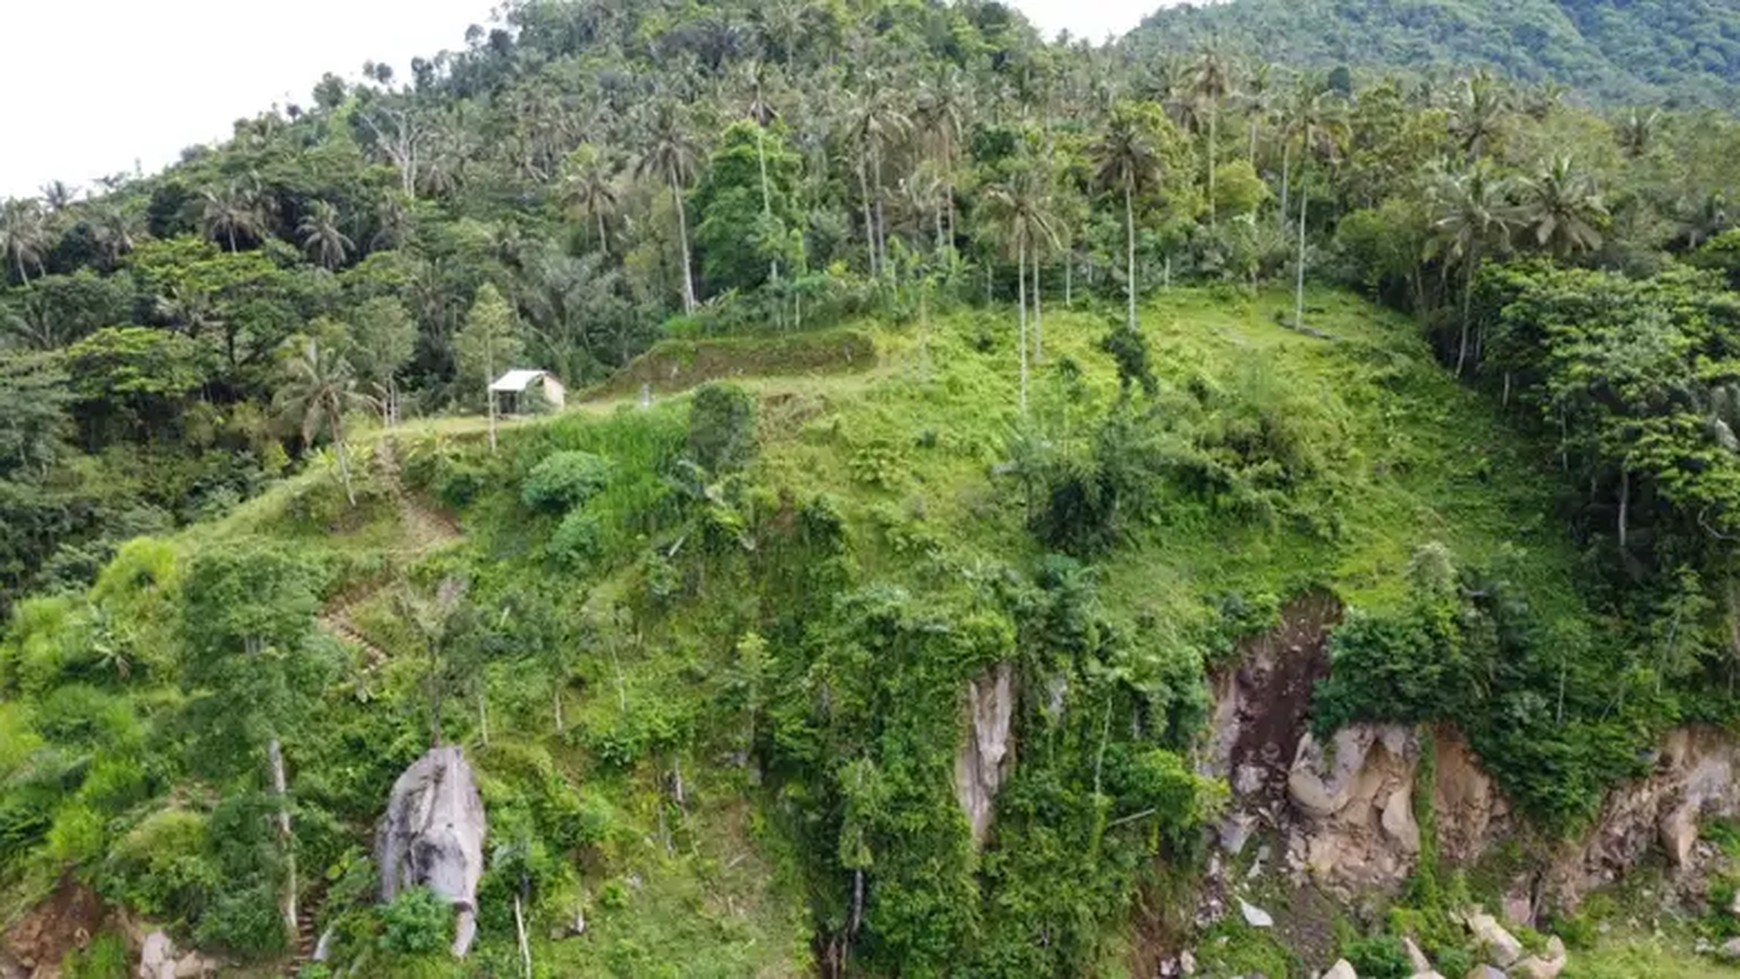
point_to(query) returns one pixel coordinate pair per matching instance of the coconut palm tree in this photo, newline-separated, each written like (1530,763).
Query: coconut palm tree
(1318,121)
(393,221)
(58,195)
(321,237)
(1472,218)
(589,191)
(228,210)
(116,228)
(1127,162)
(1210,83)
(671,154)
(877,119)
(1637,131)
(1020,209)
(1562,211)
(1482,114)
(319,389)
(24,236)
(940,116)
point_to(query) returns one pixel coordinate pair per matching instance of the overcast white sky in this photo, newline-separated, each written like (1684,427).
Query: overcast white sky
(94,85)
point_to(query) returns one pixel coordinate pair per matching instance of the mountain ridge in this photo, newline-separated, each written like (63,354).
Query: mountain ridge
(1610,52)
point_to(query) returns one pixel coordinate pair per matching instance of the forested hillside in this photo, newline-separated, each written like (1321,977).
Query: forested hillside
(951,419)
(1609,51)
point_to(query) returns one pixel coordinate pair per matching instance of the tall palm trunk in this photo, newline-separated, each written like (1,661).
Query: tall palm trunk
(881,217)
(1286,175)
(1130,243)
(869,219)
(1213,140)
(1021,301)
(1038,313)
(1299,284)
(766,199)
(1473,264)
(683,234)
(23,276)
(603,235)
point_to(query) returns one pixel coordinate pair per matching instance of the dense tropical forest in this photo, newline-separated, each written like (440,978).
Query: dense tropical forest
(1054,373)
(1613,52)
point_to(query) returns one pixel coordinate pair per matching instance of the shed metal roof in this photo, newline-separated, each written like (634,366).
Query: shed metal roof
(517,381)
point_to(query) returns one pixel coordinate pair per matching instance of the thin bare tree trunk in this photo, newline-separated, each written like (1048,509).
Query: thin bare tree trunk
(483,711)
(280,793)
(1624,505)
(525,945)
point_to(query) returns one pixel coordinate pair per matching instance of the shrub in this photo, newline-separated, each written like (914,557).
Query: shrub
(722,428)
(416,923)
(1381,957)
(576,540)
(565,480)
(163,868)
(244,923)
(106,958)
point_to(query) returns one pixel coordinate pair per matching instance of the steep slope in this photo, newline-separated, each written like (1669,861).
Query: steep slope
(1606,50)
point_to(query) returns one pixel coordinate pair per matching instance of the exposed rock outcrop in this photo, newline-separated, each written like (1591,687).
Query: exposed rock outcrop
(1693,781)
(432,836)
(984,757)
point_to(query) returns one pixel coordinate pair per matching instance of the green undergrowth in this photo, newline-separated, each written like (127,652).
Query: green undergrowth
(709,658)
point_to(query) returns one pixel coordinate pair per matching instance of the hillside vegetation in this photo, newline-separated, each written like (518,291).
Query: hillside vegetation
(918,370)
(657,670)
(1625,53)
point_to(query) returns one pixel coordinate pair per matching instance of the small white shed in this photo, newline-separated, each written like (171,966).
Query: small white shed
(518,383)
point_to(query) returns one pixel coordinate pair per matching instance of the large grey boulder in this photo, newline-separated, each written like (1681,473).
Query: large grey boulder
(1502,948)
(432,836)
(984,757)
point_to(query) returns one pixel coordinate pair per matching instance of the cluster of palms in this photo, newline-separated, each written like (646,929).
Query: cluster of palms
(583,122)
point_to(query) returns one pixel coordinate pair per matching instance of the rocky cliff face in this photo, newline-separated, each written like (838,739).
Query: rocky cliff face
(432,836)
(1345,812)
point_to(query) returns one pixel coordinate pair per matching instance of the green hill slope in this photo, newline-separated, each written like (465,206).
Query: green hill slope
(705,701)
(1609,51)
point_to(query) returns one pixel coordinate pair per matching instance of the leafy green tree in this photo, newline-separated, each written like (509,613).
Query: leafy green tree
(489,344)
(382,341)
(747,205)
(319,389)
(247,622)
